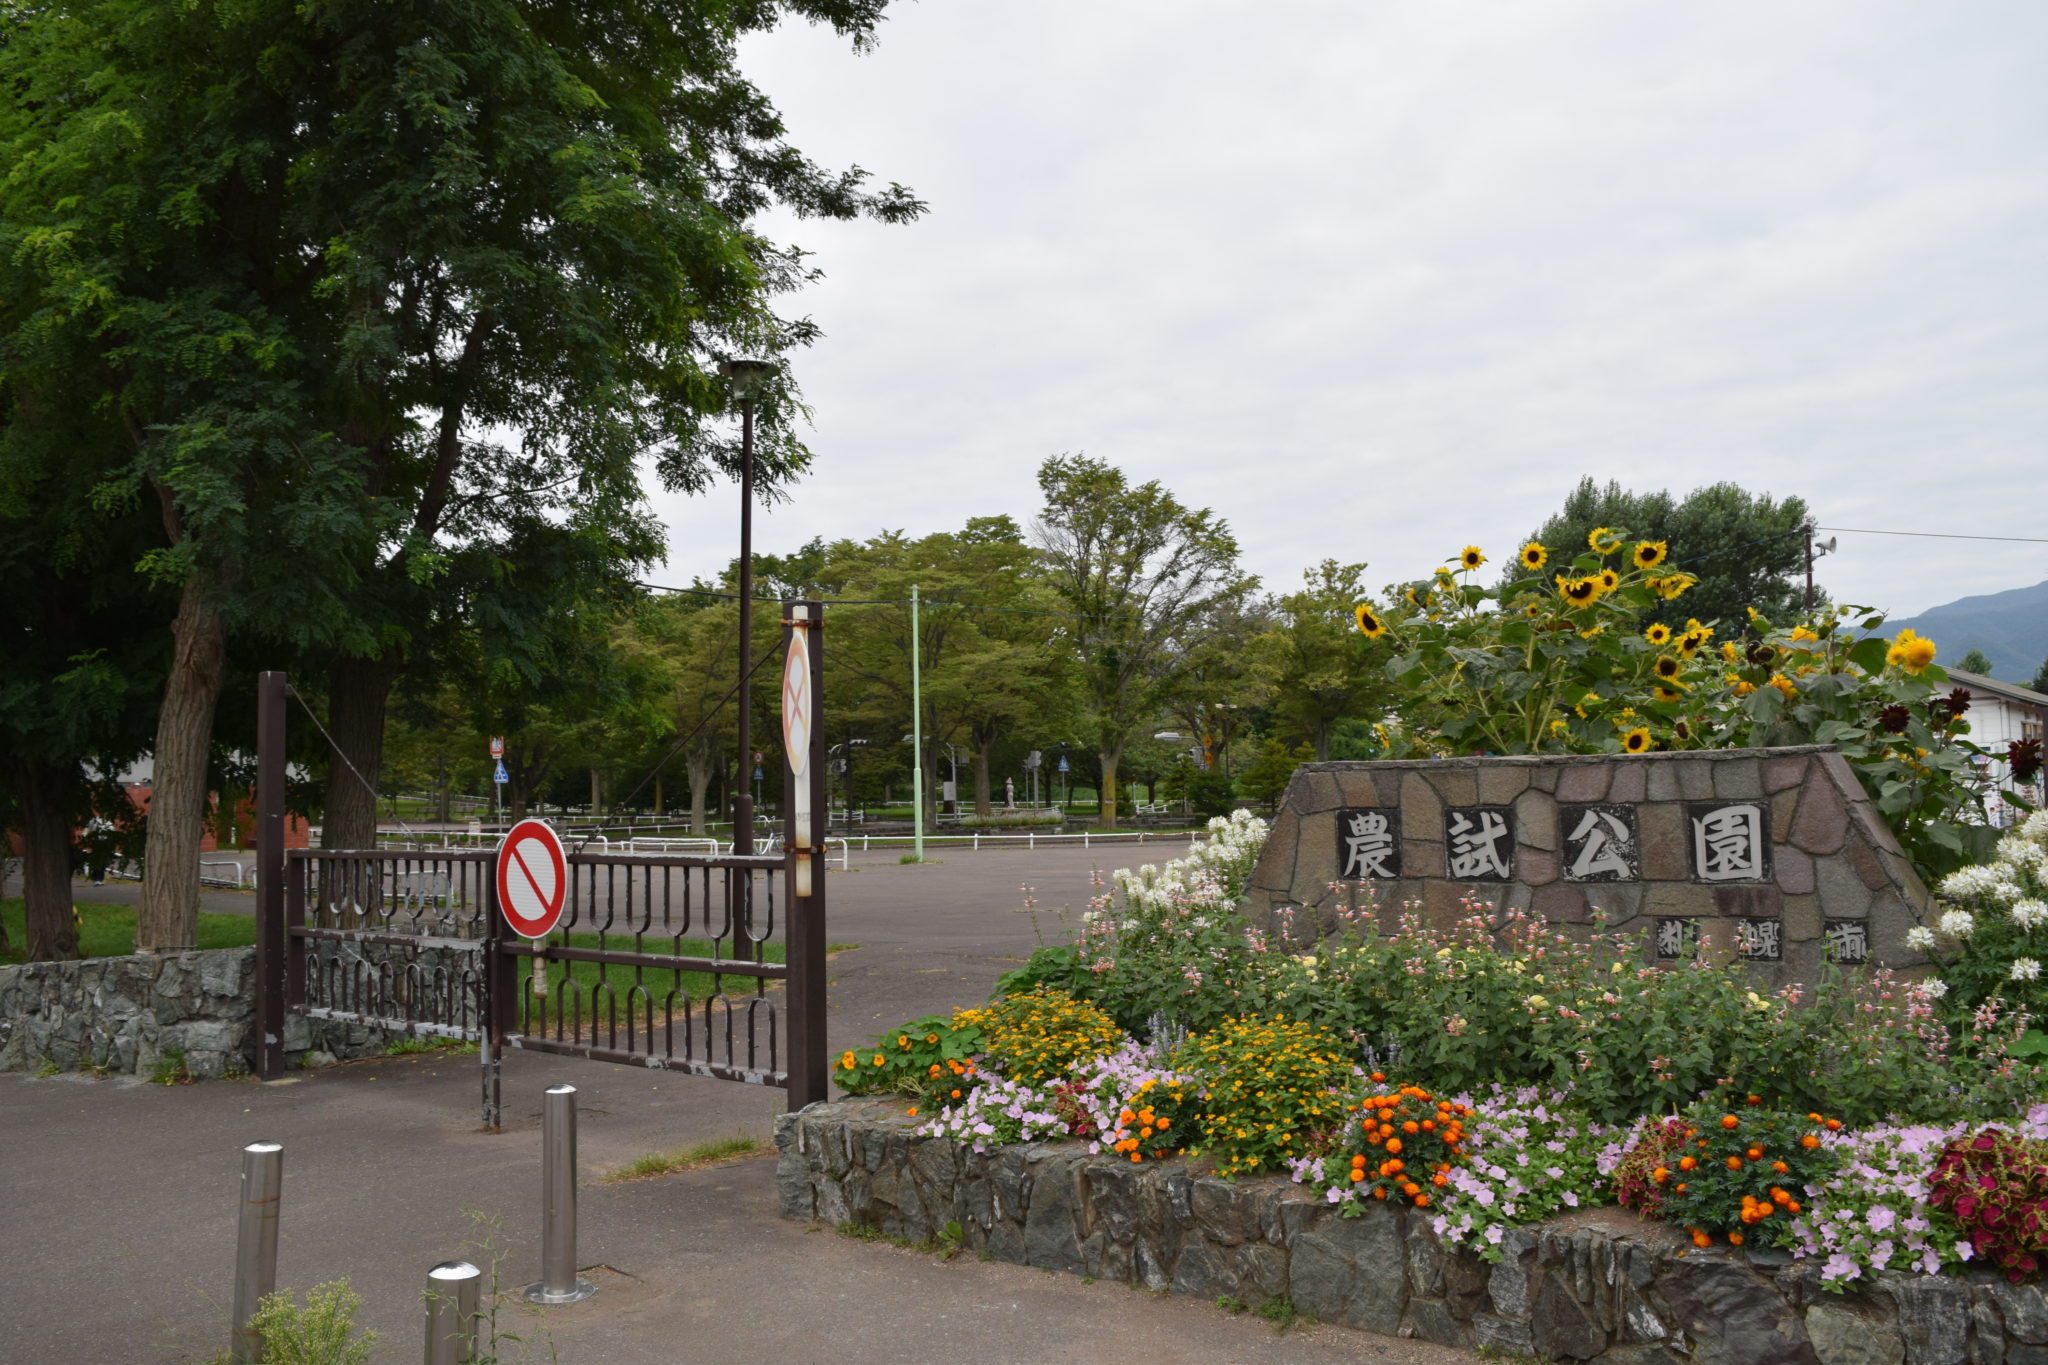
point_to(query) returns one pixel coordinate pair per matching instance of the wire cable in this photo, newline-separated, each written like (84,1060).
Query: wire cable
(336,749)
(1932,535)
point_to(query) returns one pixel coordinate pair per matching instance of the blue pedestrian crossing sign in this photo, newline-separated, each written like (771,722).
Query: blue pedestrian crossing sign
(1063,762)
(501,777)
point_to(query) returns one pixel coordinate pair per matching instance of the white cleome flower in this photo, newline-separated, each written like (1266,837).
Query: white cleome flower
(2025,969)
(1957,923)
(1934,989)
(2030,914)
(1920,938)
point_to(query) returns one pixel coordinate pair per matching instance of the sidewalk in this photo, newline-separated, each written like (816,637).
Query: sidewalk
(121,1196)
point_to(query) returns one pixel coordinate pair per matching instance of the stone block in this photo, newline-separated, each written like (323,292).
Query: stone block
(1536,820)
(1350,1270)
(1695,778)
(1784,806)
(1431,1320)
(1802,918)
(1842,893)
(1357,787)
(1544,779)
(1747,902)
(1662,831)
(1738,779)
(1456,784)
(1278,856)
(1631,780)
(1794,870)
(1564,1326)
(2022,1309)
(1823,821)
(1933,1318)
(1584,782)
(1535,866)
(1663,782)
(1786,770)
(1733,1315)
(1619,901)
(1501,783)
(1421,808)
(1421,858)
(1560,903)
(1508,1287)
(1318,792)
(1501,1336)
(1842,1337)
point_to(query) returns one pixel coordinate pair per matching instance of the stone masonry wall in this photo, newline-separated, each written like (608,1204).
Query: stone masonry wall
(1774,855)
(1565,1291)
(125,1013)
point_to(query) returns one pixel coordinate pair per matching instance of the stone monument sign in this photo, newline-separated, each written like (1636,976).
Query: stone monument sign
(1776,856)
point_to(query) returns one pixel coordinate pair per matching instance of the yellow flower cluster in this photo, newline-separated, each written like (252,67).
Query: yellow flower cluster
(1912,652)
(1039,1036)
(1270,1084)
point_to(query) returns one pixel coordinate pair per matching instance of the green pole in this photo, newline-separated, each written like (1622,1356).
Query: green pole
(916,731)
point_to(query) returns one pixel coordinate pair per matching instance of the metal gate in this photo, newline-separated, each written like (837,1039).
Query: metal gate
(705,964)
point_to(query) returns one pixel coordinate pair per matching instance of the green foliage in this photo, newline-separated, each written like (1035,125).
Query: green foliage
(170,1068)
(1055,965)
(1974,661)
(1268,774)
(1748,549)
(1740,1170)
(1270,1086)
(928,1054)
(1036,1037)
(323,1332)
(109,930)
(1325,669)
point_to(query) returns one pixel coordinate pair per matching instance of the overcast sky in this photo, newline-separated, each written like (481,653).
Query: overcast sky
(1375,280)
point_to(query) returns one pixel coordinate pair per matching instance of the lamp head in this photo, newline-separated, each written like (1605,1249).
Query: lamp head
(746,377)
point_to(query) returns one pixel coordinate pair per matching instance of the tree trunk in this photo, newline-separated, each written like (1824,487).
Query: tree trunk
(45,789)
(168,916)
(1322,740)
(441,788)
(982,805)
(358,692)
(1107,794)
(700,764)
(596,793)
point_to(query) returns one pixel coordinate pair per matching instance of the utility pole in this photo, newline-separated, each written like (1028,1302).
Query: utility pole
(1809,569)
(916,730)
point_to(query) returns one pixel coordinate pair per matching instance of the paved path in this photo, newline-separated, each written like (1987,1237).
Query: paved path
(120,1196)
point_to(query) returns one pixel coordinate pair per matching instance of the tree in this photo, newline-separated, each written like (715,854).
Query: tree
(305,259)
(1748,549)
(1974,661)
(1326,670)
(1148,581)
(2040,682)
(1226,677)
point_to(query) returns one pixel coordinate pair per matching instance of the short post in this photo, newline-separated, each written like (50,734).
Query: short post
(256,1243)
(558,1282)
(452,1296)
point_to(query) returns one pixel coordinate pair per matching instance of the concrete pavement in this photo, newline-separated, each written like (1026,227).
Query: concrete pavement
(118,1218)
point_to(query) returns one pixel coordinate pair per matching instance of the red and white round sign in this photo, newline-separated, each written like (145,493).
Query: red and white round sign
(533,879)
(796,702)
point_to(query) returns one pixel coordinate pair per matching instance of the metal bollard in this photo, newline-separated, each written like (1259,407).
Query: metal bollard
(558,1282)
(256,1243)
(452,1299)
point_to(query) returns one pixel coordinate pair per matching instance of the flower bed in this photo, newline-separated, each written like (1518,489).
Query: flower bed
(1619,1290)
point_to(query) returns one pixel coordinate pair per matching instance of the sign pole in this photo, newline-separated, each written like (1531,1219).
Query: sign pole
(916,732)
(804,823)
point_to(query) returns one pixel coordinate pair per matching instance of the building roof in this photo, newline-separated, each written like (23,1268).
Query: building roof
(1977,682)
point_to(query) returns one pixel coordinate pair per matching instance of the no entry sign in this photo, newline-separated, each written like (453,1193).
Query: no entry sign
(796,703)
(533,879)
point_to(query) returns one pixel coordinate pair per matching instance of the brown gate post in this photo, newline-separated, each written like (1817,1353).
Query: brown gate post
(806,824)
(271,944)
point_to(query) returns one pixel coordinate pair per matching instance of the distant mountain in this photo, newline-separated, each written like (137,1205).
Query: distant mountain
(2011,628)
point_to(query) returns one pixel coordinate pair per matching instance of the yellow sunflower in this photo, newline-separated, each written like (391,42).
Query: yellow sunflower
(1471,557)
(1534,556)
(1658,633)
(1578,591)
(1667,668)
(1603,540)
(1649,553)
(1672,586)
(1663,693)
(1532,611)
(1690,642)
(1369,623)
(1609,580)
(1729,653)
(1911,651)
(1637,741)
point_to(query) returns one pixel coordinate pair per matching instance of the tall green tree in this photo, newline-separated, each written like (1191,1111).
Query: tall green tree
(1325,670)
(308,257)
(1975,661)
(1149,582)
(1747,549)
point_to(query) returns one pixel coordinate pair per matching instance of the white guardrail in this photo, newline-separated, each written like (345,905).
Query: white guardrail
(703,846)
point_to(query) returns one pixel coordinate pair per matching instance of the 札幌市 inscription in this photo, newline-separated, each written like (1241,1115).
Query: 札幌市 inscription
(1773,856)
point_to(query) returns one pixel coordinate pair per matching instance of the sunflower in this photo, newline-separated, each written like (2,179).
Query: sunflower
(1658,633)
(1603,540)
(1369,623)
(1910,651)
(1471,557)
(1637,741)
(1663,693)
(1417,595)
(1532,611)
(1672,586)
(1534,556)
(1609,580)
(1578,591)
(1649,553)
(1667,667)
(1786,687)
(1690,642)
(1729,653)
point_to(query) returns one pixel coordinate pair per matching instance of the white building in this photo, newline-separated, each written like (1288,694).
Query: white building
(2000,713)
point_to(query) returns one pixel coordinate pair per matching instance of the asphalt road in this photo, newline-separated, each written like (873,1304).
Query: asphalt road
(118,1216)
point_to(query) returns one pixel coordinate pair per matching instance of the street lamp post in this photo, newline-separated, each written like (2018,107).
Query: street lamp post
(745,378)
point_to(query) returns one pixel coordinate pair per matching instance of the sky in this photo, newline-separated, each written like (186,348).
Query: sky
(1377,280)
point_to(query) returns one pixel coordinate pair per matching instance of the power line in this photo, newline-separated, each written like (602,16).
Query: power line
(1932,535)
(896,602)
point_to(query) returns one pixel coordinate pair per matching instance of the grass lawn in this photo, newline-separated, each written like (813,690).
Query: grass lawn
(109,930)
